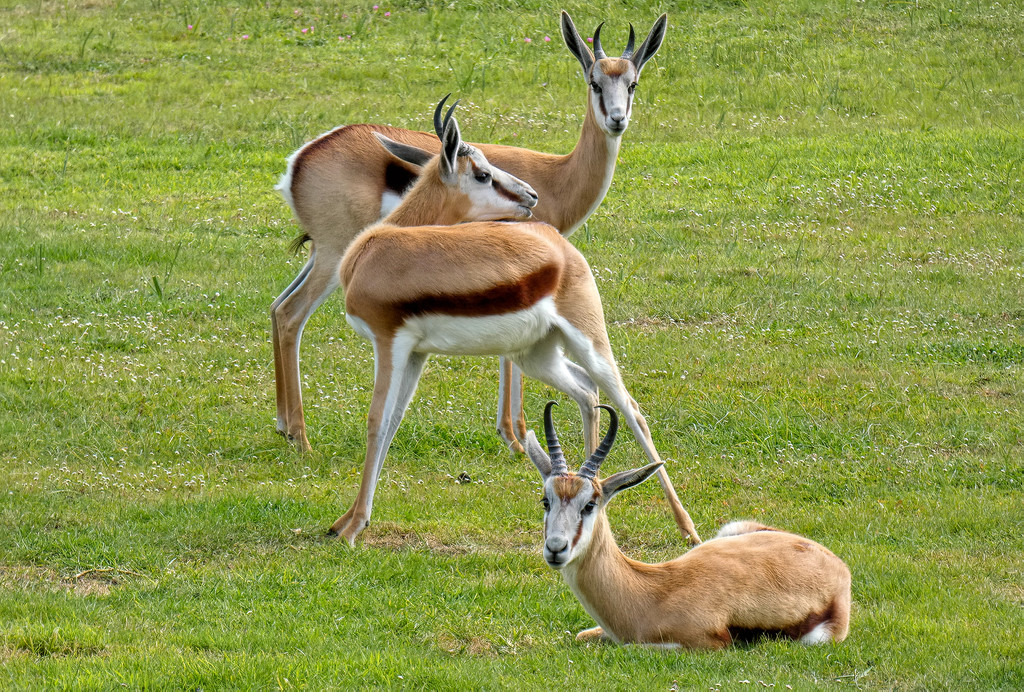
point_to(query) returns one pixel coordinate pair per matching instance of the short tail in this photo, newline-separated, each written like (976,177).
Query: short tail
(296,245)
(738,528)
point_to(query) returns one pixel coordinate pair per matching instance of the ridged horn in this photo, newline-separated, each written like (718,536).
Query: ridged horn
(628,53)
(593,464)
(439,124)
(598,50)
(558,467)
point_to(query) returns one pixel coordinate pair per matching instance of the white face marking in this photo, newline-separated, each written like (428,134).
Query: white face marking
(493,193)
(488,335)
(568,523)
(611,95)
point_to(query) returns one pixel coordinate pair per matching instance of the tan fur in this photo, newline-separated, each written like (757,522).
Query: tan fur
(398,279)
(336,184)
(387,267)
(766,581)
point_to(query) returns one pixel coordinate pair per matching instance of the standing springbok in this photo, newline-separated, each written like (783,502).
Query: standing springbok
(515,289)
(749,580)
(342,181)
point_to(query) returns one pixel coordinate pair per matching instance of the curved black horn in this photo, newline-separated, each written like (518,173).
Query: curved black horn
(598,50)
(628,53)
(438,125)
(593,464)
(558,467)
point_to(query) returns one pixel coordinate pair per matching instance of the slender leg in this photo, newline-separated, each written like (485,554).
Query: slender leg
(282,423)
(545,362)
(394,385)
(518,390)
(507,405)
(289,318)
(603,370)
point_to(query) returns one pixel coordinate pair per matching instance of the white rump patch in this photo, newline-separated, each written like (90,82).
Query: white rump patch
(487,335)
(822,634)
(284,185)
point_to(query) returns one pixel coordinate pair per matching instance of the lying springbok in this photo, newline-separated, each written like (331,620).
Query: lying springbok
(485,288)
(749,580)
(342,181)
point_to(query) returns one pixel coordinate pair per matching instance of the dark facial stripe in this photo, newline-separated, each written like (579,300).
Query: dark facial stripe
(492,301)
(579,532)
(505,192)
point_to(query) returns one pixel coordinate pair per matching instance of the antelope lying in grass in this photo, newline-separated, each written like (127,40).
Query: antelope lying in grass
(485,288)
(342,181)
(749,580)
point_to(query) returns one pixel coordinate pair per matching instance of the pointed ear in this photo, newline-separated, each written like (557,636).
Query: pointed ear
(537,455)
(627,479)
(651,44)
(576,44)
(405,152)
(450,145)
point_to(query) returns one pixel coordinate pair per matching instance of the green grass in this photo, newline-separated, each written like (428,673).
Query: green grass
(813,272)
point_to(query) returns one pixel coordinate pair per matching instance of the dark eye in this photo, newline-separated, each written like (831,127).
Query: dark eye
(483,177)
(589,507)
(597,89)
(545,504)
(632,87)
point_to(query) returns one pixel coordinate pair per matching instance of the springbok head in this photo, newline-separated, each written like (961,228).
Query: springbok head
(612,81)
(573,501)
(487,192)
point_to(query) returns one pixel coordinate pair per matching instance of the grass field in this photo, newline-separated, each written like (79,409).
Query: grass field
(812,263)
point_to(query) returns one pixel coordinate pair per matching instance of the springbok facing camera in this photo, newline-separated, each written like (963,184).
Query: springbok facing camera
(343,181)
(487,288)
(747,581)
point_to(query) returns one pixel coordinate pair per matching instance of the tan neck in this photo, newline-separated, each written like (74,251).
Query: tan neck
(613,589)
(582,178)
(429,203)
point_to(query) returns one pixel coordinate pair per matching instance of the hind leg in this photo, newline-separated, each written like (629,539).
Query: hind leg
(290,314)
(602,369)
(546,362)
(282,423)
(511,421)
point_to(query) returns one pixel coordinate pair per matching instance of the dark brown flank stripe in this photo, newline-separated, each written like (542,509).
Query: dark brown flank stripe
(747,635)
(398,178)
(492,301)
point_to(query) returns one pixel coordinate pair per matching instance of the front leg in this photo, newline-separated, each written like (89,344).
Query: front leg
(393,388)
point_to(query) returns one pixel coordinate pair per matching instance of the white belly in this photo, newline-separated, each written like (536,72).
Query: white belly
(489,335)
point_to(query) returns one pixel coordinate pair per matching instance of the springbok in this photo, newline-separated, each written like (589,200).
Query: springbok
(517,289)
(747,581)
(342,181)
